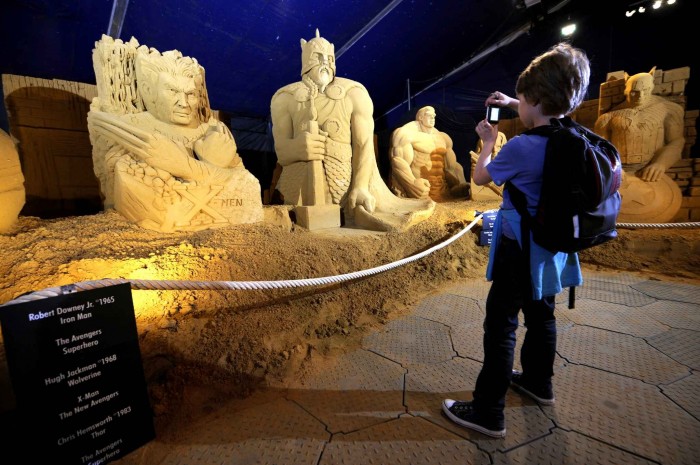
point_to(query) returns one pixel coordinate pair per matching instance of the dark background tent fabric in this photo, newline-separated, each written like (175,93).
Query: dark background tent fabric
(445,53)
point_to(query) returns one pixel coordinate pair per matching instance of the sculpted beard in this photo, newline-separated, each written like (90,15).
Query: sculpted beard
(324,77)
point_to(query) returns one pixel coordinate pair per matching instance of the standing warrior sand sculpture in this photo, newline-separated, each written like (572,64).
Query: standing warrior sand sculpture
(648,132)
(323,130)
(423,163)
(162,160)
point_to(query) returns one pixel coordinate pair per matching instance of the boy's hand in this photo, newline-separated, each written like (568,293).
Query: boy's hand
(486,131)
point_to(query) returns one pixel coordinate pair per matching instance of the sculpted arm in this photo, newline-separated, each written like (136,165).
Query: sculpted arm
(602,127)
(454,172)
(363,158)
(401,158)
(154,149)
(672,149)
(290,147)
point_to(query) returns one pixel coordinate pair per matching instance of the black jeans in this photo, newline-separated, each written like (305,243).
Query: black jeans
(510,292)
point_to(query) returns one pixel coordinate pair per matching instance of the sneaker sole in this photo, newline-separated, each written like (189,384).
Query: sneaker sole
(474,426)
(539,400)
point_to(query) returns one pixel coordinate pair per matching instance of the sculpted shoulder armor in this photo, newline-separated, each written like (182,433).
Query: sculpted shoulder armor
(293,90)
(339,88)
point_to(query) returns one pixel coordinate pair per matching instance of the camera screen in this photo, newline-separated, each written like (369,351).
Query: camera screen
(492,114)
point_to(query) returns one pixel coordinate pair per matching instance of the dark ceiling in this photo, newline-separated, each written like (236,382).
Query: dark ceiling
(449,53)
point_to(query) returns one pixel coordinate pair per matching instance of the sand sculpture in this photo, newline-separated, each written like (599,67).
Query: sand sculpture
(423,162)
(323,130)
(488,191)
(163,161)
(648,131)
(12,193)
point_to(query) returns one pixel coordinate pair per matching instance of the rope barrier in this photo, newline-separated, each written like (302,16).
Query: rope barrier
(656,225)
(153,284)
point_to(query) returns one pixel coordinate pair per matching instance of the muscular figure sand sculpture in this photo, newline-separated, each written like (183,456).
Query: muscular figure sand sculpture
(12,193)
(648,131)
(162,160)
(323,130)
(488,191)
(423,163)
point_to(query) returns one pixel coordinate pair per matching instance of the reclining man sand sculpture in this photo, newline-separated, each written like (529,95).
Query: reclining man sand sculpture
(162,160)
(648,131)
(488,191)
(323,130)
(423,162)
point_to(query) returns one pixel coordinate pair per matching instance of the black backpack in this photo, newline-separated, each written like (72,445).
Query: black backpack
(579,201)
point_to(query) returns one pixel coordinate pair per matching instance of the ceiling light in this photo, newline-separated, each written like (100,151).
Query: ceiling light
(641,6)
(568,29)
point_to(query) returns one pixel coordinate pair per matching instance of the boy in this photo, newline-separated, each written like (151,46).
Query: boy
(552,86)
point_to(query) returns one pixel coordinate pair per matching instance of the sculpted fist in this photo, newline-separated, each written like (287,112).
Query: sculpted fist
(313,146)
(420,188)
(304,147)
(361,196)
(217,148)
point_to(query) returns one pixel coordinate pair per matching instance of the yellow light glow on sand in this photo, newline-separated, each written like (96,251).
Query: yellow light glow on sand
(171,265)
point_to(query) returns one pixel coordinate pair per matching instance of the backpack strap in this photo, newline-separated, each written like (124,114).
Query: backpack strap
(567,122)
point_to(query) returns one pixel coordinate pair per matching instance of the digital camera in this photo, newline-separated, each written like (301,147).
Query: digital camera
(492,114)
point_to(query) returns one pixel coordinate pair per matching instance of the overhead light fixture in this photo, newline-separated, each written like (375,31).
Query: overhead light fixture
(641,6)
(568,29)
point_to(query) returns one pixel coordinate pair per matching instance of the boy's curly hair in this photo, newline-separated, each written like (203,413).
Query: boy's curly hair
(557,79)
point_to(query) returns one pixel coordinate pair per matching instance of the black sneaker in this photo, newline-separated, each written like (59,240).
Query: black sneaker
(463,414)
(543,396)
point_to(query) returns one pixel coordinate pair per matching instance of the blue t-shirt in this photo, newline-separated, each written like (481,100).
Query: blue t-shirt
(519,161)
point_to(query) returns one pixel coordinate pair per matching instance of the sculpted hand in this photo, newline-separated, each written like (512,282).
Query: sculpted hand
(420,188)
(217,148)
(304,147)
(361,196)
(159,149)
(314,146)
(652,172)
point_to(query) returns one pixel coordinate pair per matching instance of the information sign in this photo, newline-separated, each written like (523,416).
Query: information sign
(77,376)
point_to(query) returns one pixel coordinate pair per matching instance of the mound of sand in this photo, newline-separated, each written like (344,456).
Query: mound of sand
(202,345)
